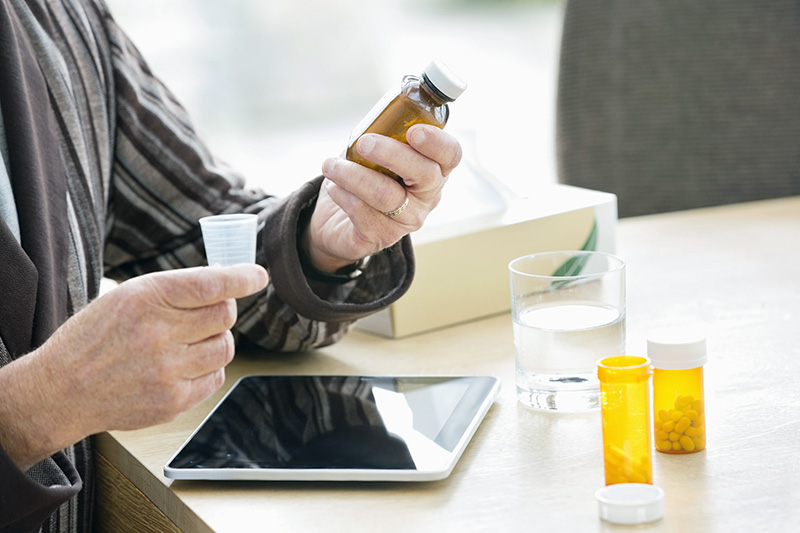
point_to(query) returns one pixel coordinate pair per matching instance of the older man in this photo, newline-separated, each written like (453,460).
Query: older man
(103,174)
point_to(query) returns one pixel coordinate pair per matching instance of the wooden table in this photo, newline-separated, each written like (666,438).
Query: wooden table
(735,269)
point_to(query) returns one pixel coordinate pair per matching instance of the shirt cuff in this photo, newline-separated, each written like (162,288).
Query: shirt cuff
(292,285)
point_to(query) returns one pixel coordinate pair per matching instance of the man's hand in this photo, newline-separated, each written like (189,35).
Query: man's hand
(140,355)
(349,220)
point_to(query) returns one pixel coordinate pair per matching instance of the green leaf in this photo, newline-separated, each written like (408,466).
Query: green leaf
(574,265)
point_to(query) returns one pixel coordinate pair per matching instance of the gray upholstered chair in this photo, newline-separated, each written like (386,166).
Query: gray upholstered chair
(676,104)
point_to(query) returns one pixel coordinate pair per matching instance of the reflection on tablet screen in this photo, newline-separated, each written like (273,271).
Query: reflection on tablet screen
(338,422)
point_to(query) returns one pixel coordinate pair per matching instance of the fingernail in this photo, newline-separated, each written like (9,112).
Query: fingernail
(366,144)
(418,136)
(328,166)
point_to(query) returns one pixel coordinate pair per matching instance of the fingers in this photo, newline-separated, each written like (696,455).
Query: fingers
(429,155)
(419,172)
(209,355)
(206,367)
(204,386)
(371,225)
(358,185)
(423,164)
(190,305)
(202,370)
(361,211)
(191,326)
(437,145)
(197,287)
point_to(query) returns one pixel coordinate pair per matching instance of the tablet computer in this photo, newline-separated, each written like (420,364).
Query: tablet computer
(352,428)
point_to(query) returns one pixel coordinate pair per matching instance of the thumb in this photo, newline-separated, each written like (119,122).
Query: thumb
(201,286)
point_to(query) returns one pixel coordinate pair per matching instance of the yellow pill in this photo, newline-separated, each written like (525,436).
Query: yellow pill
(615,452)
(698,442)
(674,436)
(637,477)
(664,445)
(691,414)
(676,446)
(693,432)
(658,424)
(683,401)
(661,434)
(687,443)
(663,416)
(668,426)
(682,424)
(675,414)
(697,405)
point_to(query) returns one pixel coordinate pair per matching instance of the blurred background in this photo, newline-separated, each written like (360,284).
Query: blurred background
(275,87)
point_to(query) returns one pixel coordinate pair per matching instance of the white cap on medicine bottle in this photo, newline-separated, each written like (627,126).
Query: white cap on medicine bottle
(447,83)
(630,503)
(677,348)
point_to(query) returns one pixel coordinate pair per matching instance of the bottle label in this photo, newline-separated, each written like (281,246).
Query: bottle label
(370,117)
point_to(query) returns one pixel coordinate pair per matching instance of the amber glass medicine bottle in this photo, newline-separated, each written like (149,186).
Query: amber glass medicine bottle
(625,408)
(679,418)
(419,100)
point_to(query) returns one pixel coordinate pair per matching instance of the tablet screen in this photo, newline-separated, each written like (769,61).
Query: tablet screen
(336,427)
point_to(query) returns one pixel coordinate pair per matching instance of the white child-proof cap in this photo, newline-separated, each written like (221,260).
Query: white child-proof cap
(631,503)
(444,80)
(677,348)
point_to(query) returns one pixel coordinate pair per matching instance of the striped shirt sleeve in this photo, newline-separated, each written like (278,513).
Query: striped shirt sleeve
(164,179)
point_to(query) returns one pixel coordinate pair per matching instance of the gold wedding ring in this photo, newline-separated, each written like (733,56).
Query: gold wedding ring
(399,209)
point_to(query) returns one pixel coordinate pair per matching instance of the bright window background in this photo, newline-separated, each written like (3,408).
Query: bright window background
(275,86)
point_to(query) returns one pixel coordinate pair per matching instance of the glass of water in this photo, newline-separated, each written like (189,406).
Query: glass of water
(568,309)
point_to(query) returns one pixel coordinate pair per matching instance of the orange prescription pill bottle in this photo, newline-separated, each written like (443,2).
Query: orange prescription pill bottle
(679,419)
(419,100)
(625,408)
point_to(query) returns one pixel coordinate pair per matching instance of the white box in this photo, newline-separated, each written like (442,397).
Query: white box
(462,252)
